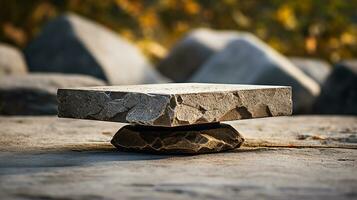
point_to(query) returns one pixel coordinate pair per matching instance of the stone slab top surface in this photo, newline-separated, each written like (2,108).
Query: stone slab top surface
(174,104)
(177,88)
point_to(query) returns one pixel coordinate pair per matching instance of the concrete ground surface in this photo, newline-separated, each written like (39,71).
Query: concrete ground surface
(300,157)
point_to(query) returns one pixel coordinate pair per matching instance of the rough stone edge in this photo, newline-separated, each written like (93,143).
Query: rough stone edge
(169,108)
(111,111)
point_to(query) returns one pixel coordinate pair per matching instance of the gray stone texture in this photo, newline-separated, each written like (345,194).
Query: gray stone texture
(315,68)
(51,158)
(339,92)
(35,94)
(11,60)
(174,104)
(73,44)
(248,60)
(208,138)
(192,51)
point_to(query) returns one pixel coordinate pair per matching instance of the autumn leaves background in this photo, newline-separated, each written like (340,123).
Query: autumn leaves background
(310,28)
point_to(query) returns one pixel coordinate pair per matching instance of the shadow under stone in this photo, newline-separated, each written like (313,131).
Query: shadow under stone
(29,162)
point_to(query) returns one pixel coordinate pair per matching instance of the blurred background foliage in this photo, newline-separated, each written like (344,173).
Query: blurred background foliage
(311,28)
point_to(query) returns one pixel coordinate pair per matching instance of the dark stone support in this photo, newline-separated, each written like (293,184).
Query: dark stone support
(193,139)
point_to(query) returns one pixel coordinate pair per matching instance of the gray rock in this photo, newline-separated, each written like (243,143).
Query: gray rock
(73,44)
(192,51)
(247,60)
(11,60)
(174,104)
(339,92)
(315,68)
(35,94)
(208,138)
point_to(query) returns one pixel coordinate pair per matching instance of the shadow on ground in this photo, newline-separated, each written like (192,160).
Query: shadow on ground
(82,155)
(35,161)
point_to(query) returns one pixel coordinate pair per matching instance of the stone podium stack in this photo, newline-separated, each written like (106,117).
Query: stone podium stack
(175,118)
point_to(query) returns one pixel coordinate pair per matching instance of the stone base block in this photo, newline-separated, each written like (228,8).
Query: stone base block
(195,139)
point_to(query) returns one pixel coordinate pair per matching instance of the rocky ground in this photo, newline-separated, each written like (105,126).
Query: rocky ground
(296,157)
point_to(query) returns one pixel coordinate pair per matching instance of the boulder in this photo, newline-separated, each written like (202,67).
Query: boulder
(339,92)
(208,138)
(11,60)
(73,44)
(248,60)
(315,68)
(192,51)
(35,94)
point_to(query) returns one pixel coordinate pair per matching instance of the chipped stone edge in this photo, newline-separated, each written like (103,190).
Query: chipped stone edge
(169,108)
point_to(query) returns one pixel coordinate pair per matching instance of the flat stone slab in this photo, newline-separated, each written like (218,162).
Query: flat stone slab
(207,138)
(172,105)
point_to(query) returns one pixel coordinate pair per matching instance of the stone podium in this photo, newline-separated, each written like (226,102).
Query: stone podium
(177,117)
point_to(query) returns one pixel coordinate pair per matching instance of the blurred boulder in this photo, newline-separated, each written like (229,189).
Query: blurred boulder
(11,60)
(315,68)
(339,92)
(35,94)
(192,51)
(73,44)
(247,60)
